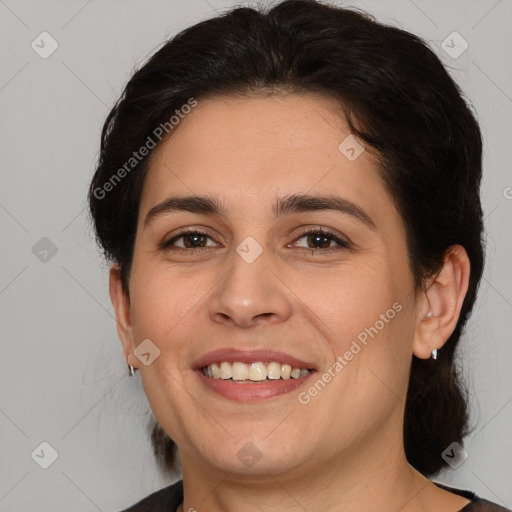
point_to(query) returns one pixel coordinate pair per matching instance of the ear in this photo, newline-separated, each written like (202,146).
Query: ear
(121,304)
(441,302)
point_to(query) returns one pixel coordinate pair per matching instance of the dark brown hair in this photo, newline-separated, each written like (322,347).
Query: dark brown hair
(397,97)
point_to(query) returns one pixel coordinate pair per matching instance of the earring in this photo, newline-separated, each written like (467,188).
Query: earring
(434,354)
(131,370)
(429,314)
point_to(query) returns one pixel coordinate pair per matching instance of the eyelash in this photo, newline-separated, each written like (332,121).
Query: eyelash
(342,244)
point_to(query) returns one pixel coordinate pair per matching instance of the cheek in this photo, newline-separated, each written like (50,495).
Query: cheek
(160,300)
(364,312)
(351,298)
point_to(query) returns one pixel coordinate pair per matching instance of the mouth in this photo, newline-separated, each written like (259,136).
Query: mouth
(254,372)
(247,376)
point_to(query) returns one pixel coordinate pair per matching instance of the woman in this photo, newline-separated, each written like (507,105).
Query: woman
(290,202)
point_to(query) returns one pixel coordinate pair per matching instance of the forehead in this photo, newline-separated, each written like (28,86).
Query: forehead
(251,150)
(278,124)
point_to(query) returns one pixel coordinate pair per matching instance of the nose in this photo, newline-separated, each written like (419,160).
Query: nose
(250,294)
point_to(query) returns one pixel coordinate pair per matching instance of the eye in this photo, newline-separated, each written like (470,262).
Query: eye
(317,239)
(320,239)
(191,239)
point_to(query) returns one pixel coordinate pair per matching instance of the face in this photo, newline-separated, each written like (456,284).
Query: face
(298,258)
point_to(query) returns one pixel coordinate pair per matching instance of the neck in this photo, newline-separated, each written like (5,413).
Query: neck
(357,479)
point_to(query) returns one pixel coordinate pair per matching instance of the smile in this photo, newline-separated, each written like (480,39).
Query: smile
(251,375)
(253,372)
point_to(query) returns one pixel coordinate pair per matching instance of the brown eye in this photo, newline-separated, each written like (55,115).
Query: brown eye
(189,240)
(194,240)
(320,239)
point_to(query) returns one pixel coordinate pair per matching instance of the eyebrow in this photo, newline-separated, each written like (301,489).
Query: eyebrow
(288,205)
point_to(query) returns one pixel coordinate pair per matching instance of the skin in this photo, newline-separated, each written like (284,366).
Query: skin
(344,449)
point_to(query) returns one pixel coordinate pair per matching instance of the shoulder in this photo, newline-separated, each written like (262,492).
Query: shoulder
(165,500)
(476,504)
(481,505)
(169,498)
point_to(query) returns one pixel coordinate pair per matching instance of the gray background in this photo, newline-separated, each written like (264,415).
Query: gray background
(62,373)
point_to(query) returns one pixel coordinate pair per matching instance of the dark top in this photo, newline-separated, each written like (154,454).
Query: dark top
(169,499)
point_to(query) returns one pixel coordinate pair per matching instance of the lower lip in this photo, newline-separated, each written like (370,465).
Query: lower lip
(249,392)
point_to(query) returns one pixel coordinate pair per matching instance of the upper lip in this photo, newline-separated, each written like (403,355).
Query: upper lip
(250,356)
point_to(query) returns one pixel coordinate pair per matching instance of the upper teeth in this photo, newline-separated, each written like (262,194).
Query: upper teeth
(254,371)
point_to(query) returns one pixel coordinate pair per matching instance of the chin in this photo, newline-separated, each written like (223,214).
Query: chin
(255,455)
(261,465)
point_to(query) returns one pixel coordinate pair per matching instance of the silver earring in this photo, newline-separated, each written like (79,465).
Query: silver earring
(429,314)
(434,354)
(131,370)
